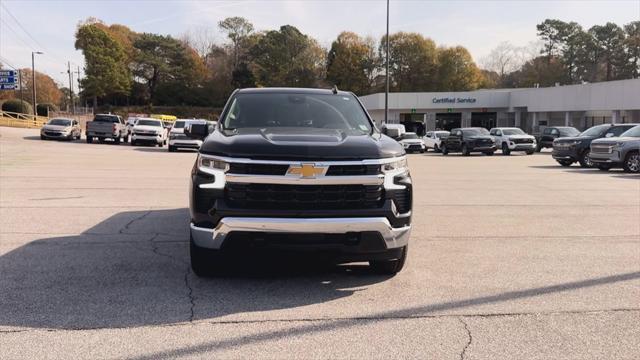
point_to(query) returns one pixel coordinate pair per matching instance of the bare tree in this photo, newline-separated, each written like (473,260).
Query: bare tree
(502,59)
(201,38)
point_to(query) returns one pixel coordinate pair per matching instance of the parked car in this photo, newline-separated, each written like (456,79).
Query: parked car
(107,126)
(510,139)
(149,131)
(393,131)
(622,151)
(545,140)
(468,140)
(433,139)
(178,139)
(411,142)
(568,150)
(61,128)
(312,173)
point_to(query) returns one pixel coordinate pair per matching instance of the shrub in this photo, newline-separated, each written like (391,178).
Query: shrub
(44,109)
(15,105)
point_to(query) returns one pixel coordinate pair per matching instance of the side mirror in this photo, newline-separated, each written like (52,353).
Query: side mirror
(196,131)
(609,135)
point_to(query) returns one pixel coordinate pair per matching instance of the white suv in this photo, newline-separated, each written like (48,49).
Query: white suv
(177,138)
(433,139)
(411,142)
(150,131)
(513,139)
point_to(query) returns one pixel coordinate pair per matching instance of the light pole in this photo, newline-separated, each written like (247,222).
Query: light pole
(386,91)
(33,80)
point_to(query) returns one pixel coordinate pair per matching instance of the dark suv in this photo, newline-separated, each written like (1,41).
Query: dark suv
(468,140)
(545,140)
(567,150)
(301,169)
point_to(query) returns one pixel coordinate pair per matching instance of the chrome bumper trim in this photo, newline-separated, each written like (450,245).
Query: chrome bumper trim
(297,162)
(214,238)
(291,180)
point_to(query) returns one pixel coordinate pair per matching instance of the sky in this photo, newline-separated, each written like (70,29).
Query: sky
(49,26)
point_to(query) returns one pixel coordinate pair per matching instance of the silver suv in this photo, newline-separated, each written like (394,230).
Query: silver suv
(618,151)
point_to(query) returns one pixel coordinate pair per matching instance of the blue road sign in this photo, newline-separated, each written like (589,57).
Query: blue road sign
(8,86)
(8,73)
(8,80)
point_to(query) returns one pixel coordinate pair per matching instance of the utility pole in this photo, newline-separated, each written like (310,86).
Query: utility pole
(78,81)
(33,79)
(386,91)
(20,83)
(73,106)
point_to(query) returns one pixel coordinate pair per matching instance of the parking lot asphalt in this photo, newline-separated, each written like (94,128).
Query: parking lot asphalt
(511,257)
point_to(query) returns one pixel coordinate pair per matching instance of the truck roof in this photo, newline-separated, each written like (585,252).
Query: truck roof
(284,90)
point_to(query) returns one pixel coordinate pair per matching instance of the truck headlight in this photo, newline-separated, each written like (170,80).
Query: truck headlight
(618,146)
(394,166)
(211,165)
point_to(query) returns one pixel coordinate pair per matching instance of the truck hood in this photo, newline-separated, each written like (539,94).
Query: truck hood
(147,128)
(56,127)
(300,144)
(520,137)
(574,138)
(614,140)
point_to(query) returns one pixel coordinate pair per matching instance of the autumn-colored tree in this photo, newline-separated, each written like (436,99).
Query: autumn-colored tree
(413,62)
(456,70)
(352,63)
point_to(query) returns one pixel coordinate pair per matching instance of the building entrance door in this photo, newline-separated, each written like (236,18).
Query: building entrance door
(448,121)
(485,120)
(413,123)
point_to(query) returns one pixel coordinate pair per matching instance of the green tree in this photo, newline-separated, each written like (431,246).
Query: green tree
(413,62)
(456,70)
(286,57)
(352,63)
(106,70)
(609,41)
(163,62)
(552,32)
(632,49)
(238,30)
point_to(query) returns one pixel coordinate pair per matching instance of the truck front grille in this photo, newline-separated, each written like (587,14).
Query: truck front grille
(303,197)
(522,141)
(281,170)
(602,149)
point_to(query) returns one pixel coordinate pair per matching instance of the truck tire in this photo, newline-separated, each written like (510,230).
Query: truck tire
(505,149)
(133,143)
(538,147)
(42,137)
(631,162)
(171,148)
(116,140)
(390,267)
(529,152)
(465,150)
(435,148)
(89,139)
(565,163)
(603,167)
(126,139)
(585,160)
(205,262)
(444,150)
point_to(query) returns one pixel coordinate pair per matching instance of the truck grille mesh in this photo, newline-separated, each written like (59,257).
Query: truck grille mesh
(281,170)
(303,197)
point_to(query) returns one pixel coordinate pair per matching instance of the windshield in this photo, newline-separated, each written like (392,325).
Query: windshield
(633,132)
(62,122)
(568,131)
(475,131)
(409,136)
(513,132)
(595,131)
(178,124)
(149,123)
(106,118)
(319,111)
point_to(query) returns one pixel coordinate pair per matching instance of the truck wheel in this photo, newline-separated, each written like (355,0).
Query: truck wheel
(632,162)
(565,163)
(529,152)
(444,150)
(435,148)
(489,153)
(171,148)
(160,144)
(505,149)
(126,139)
(133,143)
(585,160)
(604,167)
(42,137)
(465,150)
(205,262)
(390,267)
(89,139)
(538,147)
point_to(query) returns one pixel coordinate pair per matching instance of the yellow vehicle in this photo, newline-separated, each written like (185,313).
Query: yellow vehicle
(163,117)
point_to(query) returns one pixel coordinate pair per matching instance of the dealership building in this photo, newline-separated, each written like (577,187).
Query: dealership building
(531,109)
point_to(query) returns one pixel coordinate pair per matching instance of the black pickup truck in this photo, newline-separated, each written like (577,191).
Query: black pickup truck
(301,169)
(468,140)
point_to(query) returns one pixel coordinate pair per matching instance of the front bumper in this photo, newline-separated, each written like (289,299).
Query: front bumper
(522,147)
(565,154)
(601,158)
(150,138)
(214,238)
(186,143)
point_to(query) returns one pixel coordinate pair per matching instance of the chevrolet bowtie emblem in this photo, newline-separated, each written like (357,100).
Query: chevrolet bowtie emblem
(306,170)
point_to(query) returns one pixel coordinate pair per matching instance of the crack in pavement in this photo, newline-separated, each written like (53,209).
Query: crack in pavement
(156,250)
(466,346)
(310,320)
(126,227)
